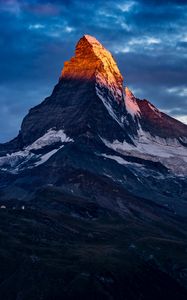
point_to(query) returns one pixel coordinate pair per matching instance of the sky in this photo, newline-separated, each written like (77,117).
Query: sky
(148,39)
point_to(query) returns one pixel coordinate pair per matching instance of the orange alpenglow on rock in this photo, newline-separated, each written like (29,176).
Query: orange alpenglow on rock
(131,103)
(93,62)
(128,92)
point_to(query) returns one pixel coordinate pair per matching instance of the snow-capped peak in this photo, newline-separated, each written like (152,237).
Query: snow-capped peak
(92,62)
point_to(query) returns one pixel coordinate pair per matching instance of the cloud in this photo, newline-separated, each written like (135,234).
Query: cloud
(145,41)
(182,119)
(10,6)
(45,9)
(69,29)
(180,91)
(126,6)
(36,26)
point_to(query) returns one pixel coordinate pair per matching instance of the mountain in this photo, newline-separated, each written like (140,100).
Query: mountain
(91,112)
(95,179)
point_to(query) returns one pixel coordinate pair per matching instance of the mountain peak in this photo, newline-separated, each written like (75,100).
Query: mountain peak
(92,40)
(92,62)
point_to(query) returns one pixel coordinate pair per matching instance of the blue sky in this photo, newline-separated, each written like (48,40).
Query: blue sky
(148,39)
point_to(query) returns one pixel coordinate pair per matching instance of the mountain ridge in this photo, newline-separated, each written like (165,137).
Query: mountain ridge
(90,103)
(93,193)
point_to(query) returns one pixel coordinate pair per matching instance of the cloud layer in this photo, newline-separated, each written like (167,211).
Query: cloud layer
(147,38)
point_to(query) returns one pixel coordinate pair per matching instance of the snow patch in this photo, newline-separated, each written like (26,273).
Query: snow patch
(167,151)
(108,106)
(16,161)
(120,160)
(131,103)
(51,137)
(3,207)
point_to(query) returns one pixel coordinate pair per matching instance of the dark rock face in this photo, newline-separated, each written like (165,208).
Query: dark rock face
(154,121)
(160,124)
(73,106)
(93,192)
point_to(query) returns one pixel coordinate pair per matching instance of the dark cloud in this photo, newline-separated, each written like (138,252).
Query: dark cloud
(147,38)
